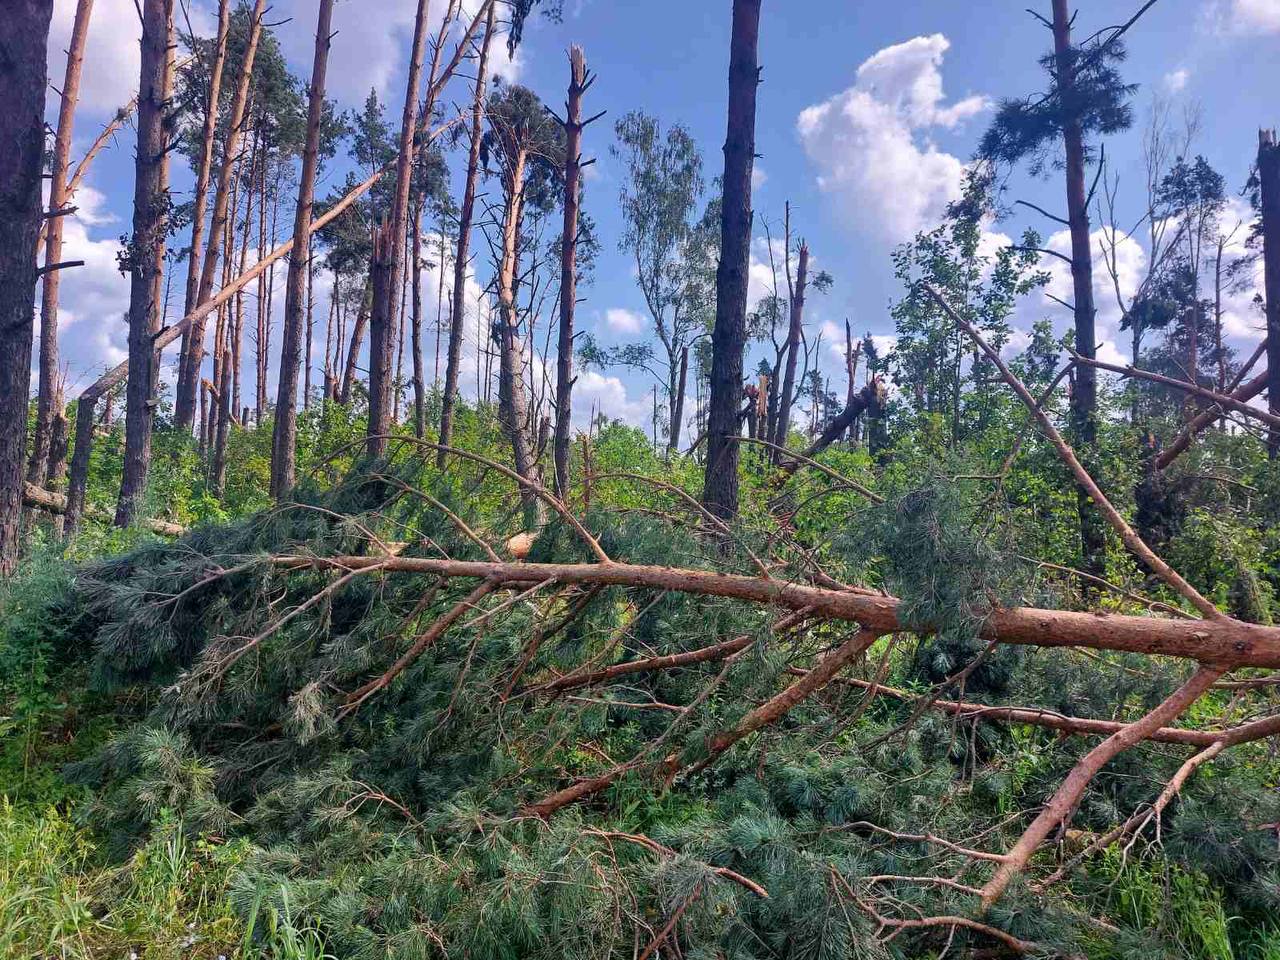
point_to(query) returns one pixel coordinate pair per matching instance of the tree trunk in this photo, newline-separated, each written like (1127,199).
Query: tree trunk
(23,69)
(284,437)
(512,405)
(38,465)
(146,251)
(793,349)
(382,315)
(677,405)
(415,318)
(465,215)
(310,325)
(579,81)
(192,352)
(1084,395)
(357,341)
(729,336)
(1269,178)
(205,168)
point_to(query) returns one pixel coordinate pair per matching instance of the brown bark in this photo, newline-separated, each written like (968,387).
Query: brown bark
(357,341)
(579,82)
(381,318)
(794,331)
(465,215)
(869,398)
(415,318)
(1269,183)
(677,404)
(192,353)
(38,465)
(513,411)
(23,67)
(146,250)
(1084,395)
(205,167)
(1063,803)
(1221,400)
(1204,418)
(729,335)
(1221,642)
(381,341)
(284,438)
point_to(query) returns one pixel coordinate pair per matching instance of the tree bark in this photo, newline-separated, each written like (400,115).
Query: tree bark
(729,336)
(1269,180)
(579,81)
(677,405)
(793,349)
(465,215)
(205,168)
(513,411)
(285,434)
(23,69)
(192,353)
(146,253)
(382,314)
(1084,395)
(38,465)
(357,341)
(415,318)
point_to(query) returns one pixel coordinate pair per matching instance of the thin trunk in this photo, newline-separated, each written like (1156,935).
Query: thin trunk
(793,348)
(192,352)
(729,336)
(677,405)
(285,434)
(311,322)
(23,71)
(357,341)
(1084,395)
(579,82)
(465,214)
(261,340)
(398,389)
(38,466)
(146,252)
(513,411)
(419,387)
(382,315)
(1269,179)
(203,171)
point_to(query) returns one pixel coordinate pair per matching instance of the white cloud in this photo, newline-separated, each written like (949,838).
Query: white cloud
(1248,16)
(606,394)
(758,177)
(1176,80)
(112,56)
(870,143)
(621,320)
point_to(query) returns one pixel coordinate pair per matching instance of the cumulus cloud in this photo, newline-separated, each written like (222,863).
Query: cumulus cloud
(621,320)
(870,143)
(112,55)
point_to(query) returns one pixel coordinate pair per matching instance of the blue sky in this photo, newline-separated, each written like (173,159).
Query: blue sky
(866,115)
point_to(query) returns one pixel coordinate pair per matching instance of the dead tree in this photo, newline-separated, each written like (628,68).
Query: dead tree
(1269,188)
(580,80)
(146,250)
(285,436)
(466,214)
(23,66)
(729,336)
(795,293)
(38,465)
(382,311)
(192,353)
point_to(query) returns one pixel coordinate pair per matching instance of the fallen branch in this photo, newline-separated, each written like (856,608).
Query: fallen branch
(48,500)
(1224,642)
(1130,536)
